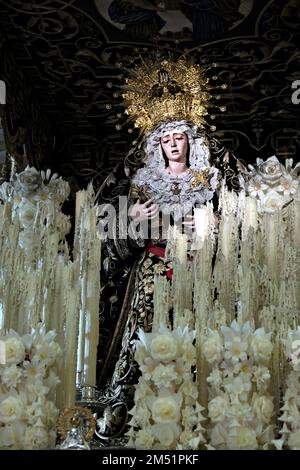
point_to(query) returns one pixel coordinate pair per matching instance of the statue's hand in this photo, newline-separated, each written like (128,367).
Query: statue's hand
(146,211)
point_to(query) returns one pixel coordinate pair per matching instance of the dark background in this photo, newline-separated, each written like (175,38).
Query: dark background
(62,61)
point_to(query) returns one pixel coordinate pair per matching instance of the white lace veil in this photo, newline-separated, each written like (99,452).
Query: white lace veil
(198,147)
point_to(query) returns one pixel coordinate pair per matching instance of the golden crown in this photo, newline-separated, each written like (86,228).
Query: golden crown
(164,90)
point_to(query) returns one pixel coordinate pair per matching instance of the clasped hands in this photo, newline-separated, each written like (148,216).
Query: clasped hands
(149,210)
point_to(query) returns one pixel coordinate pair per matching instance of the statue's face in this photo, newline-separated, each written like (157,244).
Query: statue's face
(175,146)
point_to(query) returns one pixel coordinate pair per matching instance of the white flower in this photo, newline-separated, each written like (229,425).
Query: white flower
(217,408)
(60,190)
(164,347)
(52,380)
(236,350)
(163,375)
(43,196)
(263,407)
(256,187)
(242,438)
(190,391)
(188,352)
(261,346)
(141,415)
(11,375)
(34,412)
(166,434)
(36,390)
(240,386)
(213,347)
(33,372)
(148,368)
(29,180)
(240,412)
(270,170)
(272,201)
(36,438)
(142,390)
(261,375)
(14,350)
(215,378)
(288,185)
(46,353)
(294,440)
(11,409)
(166,409)
(144,439)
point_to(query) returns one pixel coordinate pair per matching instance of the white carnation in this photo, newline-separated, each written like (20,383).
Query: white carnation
(164,347)
(166,409)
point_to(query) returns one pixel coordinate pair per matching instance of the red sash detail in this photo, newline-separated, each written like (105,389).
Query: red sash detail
(159,251)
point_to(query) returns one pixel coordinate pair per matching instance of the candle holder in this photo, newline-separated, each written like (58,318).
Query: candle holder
(88,393)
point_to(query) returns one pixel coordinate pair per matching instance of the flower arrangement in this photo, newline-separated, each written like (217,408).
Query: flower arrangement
(36,199)
(166,414)
(240,408)
(27,386)
(290,431)
(271,183)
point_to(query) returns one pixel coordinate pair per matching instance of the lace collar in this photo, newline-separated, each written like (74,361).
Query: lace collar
(175,194)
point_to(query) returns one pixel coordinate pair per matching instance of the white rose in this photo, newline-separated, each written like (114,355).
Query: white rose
(14,350)
(242,438)
(11,409)
(213,348)
(217,408)
(294,440)
(271,170)
(11,376)
(263,408)
(164,347)
(144,439)
(262,348)
(30,179)
(165,410)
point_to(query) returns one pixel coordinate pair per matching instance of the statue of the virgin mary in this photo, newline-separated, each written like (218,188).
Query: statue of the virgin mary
(176,168)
